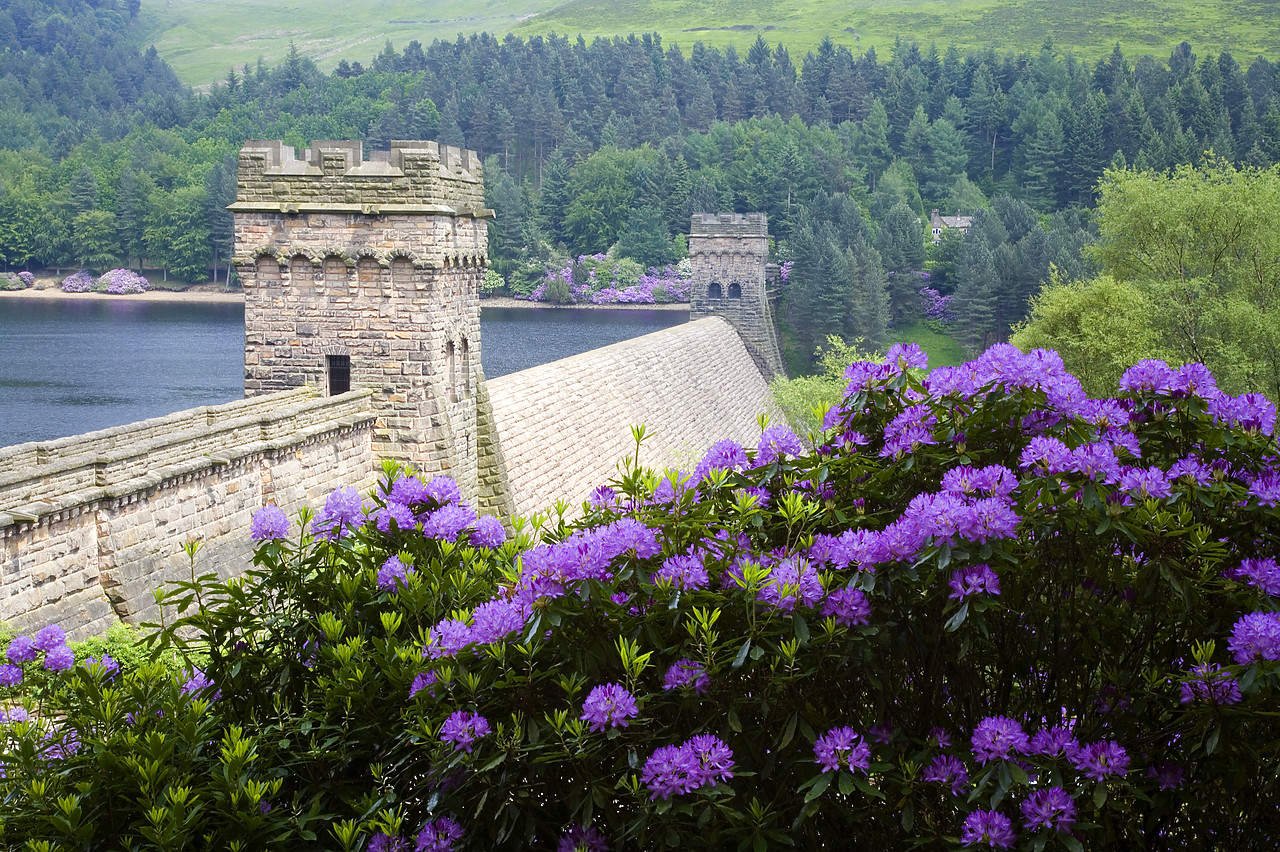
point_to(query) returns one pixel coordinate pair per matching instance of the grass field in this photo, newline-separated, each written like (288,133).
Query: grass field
(943,351)
(201,39)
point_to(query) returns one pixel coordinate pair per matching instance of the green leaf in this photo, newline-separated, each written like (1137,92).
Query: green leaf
(819,787)
(742,655)
(1099,795)
(846,783)
(1211,742)
(954,622)
(1071,843)
(802,630)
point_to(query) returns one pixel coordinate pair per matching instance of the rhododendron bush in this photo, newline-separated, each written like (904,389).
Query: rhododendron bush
(985,612)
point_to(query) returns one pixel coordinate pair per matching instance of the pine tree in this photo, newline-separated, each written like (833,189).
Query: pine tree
(976,285)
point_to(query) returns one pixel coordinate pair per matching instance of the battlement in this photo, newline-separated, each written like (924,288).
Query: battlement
(736,225)
(333,176)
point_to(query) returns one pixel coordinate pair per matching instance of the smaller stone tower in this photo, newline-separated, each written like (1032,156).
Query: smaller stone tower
(365,274)
(729,253)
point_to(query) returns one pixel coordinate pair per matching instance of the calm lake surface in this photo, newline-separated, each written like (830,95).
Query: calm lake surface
(74,366)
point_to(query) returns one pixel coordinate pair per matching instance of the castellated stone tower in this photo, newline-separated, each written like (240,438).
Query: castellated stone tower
(729,253)
(365,275)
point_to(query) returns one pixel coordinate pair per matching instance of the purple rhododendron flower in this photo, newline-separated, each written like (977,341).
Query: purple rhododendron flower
(341,514)
(408,490)
(422,681)
(449,521)
(684,572)
(106,665)
(10,675)
(723,455)
(463,729)
(383,842)
(990,827)
(1263,573)
(1149,375)
(269,524)
(438,835)
(395,513)
(1167,775)
(495,620)
(50,637)
(848,606)
(946,769)
(973,580)
(609,706)
(1054,741)
(904,356)
(1252,412)
(1266,489)
(1101,759)
(1049,808)
(1143,483)
(443,490)
(488,532)
(1255,636)
(579,839)
(448,638)
(842,746)
(199,682)
(22,650)
(1208,684)
(998,738)
(59,659)
(18,714)
(702,761)
(602,497)
(777,442)
(393,575)
(789,580)
(686,673)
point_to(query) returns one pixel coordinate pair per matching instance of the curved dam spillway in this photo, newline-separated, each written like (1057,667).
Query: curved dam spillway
(564,427)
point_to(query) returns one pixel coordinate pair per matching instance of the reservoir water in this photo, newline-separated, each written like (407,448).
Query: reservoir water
(74,366)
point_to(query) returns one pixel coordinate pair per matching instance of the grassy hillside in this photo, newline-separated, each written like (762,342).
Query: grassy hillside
(202,38)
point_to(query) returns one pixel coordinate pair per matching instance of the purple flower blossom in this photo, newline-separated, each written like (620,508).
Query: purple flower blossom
(1054,741)
(395,513)
(723,455)
(79,282)
(269,524)
(1266,489)
(990,827)
(702,761)
(1167,775)
(910,429)
(946,769)
(1049,808)
(848,606)
(120,282)
(199,682)
(50,637)
(18,714)
(1263,573)
(998,738)
(777,442)
(408,490)
(448,522)
(1252,412)
(1096,461)
(1151,375)
(421,681)
(22,650)
(579,839)
(1142,484)
(973,580)
(1208,684)
(10,675)
(341,514)
(791,579)
(497,619)
(1048,455)
(784,271)
(609,706)
(463,729)
(448,638)
(438,835)
(443,490)
(602,497)
(939,737)
(1101,759)
(393,575)
(686,673)
(383,842)
(906,356)
(488,532)
(59,659)
(684,572)
(1194,380)
(105,665)
(842,747)
(1256,636)
(1191,469)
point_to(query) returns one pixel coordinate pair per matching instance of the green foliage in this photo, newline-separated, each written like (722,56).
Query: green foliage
(834,595)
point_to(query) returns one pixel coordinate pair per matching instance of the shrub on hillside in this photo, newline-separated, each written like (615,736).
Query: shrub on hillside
(16,280)
(987,611)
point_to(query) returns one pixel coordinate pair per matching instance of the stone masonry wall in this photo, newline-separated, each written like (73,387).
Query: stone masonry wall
(565,426)
(91,525)
(729,253)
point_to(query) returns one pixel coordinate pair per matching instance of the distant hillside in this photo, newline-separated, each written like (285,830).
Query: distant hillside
(202,39)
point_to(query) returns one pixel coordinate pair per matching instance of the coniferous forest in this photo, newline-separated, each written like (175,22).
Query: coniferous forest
(108,160)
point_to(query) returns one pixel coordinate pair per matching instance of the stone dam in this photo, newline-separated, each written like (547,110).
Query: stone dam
(362,343)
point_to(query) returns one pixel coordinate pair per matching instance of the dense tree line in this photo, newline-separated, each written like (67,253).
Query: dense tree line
(617,142)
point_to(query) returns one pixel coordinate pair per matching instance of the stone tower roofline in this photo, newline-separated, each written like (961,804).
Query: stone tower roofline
(736,225)
(412,176)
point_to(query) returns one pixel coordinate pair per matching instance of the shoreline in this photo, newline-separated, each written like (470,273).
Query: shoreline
(218,294)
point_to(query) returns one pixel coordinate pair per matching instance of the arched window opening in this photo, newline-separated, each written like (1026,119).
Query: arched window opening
(714,291)
(466,370)
(337,370)
(735,290)
(451,370)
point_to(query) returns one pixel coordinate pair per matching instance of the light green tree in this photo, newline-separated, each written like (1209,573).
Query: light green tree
(1198,251)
